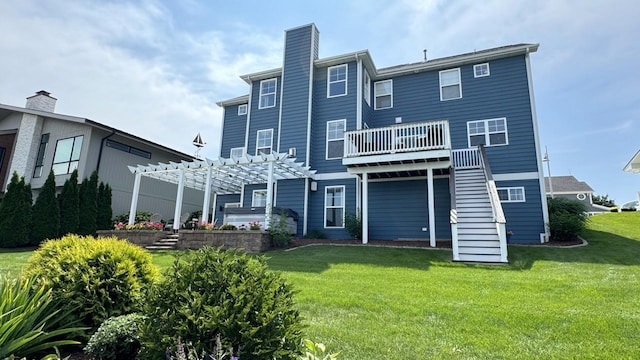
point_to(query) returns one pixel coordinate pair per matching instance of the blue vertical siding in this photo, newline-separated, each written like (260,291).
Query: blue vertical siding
(261,119)
(524,218)
(316,207)
(220,201)
(233,131)
(291,195)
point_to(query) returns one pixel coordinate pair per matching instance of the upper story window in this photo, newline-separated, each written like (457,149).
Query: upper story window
(259,198)
(335,138)
(37,171)
(334,207)
(236,152)
(511,194)
(450,84)
(481,70)
(383,94)
(129,149)
(488,132)
(268,93)
(242,109)
(366,87)
(67,155)
(264,141)
(337,81)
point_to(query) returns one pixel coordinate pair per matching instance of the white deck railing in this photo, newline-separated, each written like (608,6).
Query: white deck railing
(422,136)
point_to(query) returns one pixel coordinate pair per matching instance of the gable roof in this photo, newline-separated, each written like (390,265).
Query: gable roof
(566,185)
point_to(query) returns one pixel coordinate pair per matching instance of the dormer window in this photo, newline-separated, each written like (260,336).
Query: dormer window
(337,81)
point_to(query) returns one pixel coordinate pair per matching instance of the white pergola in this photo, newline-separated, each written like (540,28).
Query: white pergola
(220,176)
(633,166)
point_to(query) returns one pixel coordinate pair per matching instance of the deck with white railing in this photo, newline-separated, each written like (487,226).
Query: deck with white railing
(403,142)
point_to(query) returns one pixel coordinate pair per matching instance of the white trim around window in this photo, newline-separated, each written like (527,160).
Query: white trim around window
(335,139)
(481,70)
(242,109)
(334,200)
(264,141)
(337,80)
(259,198)
(268,93)
(450,84)
(236,152)
(511,194)
(490,132)
(366,87)
(383,94)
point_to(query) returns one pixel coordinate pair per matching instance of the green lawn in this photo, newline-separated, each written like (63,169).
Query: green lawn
(551,303)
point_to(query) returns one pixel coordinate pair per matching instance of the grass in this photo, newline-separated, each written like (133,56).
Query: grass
(385,303)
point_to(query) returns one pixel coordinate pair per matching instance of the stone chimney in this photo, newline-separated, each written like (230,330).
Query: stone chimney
(42,101)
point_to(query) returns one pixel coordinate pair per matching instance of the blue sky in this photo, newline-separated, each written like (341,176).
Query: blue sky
(156,68)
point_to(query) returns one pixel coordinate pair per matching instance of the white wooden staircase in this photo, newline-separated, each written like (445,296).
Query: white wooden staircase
(477,220)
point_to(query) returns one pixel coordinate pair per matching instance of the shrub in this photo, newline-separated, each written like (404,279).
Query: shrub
(227,227)
(279,231)
(30,321)
(69,202)
(100,278)
(117,338)
(88,209)
(15,214)
(103,219)
(209,292)
(46,213)
(188,352)
(315,234)
(141,216)
(353,224)
(317,351)
(567,218)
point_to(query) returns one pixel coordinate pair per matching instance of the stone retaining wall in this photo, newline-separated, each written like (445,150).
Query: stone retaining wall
(138,237)
(250,241)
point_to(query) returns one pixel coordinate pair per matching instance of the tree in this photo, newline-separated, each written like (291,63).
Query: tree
(68,200)
(15,214)
(103,221)
(603,200)
(46,214)
(88,205)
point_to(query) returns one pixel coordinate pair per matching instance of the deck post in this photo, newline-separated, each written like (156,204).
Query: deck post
(180,192)
(269,203)
(365,208)
(431,204)
(207,198)
(134,198)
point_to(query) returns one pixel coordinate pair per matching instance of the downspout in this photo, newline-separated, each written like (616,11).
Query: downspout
(104,139)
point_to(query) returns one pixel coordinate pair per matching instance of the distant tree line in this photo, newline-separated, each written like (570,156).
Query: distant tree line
(78,209)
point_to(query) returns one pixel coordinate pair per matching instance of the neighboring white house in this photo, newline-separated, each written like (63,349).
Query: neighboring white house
(633,166)
(571,188)
(35,140)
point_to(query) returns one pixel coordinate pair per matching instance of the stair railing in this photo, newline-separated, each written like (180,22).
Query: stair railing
(453,216)
(496,205)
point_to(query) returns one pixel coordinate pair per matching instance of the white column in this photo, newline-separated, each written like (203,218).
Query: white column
(431,204)
(134,198)
(305,220)
(207,198)
(176,214)
(269,204)
(365,208)
(215,206)
(358,196)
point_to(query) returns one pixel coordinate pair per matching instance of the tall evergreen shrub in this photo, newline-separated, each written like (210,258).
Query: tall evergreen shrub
(103,221)
(69,202)
(46,214)
(15,214)
(88,205)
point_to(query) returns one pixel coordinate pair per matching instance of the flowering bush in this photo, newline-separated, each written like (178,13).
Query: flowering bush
(206,226)
(242,227)
(143,225)
(254,225)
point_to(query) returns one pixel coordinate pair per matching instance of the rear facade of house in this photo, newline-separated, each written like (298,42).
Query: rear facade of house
(445,149)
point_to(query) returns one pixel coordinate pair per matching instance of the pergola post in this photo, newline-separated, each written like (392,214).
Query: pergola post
(365,208)
(431,205)
(176,214)
(207,198)
(269,204)
(134,198)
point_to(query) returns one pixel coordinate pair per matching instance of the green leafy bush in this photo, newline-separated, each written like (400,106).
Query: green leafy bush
(317,351)
(69,202)
(353,224)
(227,227)
(141,216)
(30,320)
(88,208)
(279,231)
(103,219)
(117,338)
(99,278)
(15,214)
(46,213)
(315,234)
(567,218)
(209,292)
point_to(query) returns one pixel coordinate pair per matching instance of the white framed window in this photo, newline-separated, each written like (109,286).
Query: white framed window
(481,70)
(489,132)
(450,84)
(511,194)
(366,87)
(67,155)
(334,207)
(242,109)
(268,93)
(259,198)
(383,94)
(335,138)
(264,141)
(236,152)
(337,80)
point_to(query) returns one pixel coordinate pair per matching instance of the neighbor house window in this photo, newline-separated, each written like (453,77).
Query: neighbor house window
(481,70)
(264,141)
(366,87)
(511,194)
(129,149)
(383,94)
(242,109)
(268,93)
(487,132)
(37,171)
(67,155)
(334,207)
(236,152)
(337,80)
(335,138)
(450,84)
(259,198)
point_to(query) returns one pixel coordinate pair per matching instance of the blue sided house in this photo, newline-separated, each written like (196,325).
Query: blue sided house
(444,149)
